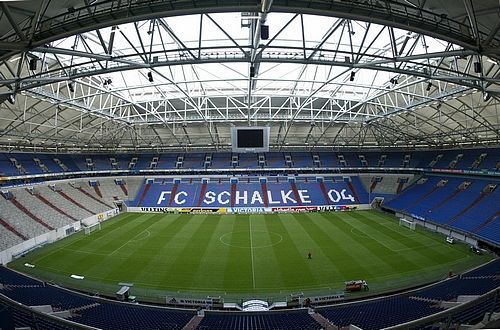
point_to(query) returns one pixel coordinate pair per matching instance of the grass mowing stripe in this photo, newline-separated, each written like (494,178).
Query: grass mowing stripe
(415,243)
(189,258)
(291,255)
(238,260)
(251,250)
(69,241)
(369,227)
(111,239)
(81,264)
(422,241)
(397,260)
(137,258)
(402,258)
(211,267)
(237,270)
(344,251)
(132,239)
(250,255)
(274,259)
(208,270)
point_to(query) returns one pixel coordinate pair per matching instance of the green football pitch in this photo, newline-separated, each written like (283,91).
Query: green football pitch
(248,255)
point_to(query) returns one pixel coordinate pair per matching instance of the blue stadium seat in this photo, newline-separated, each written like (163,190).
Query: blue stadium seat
(127,316)
(294,320)
(10,277)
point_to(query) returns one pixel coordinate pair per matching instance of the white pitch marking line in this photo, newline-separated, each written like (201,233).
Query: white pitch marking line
(131,240)
(251,252)
(119,247)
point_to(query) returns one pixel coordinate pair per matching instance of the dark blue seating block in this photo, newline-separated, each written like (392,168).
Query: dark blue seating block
(58,298)
(6,321)
(10,277)
(144,161)
(125,316)
(69,162)
(17,316)
(194,160)
(275,160)
(294,320)
(490,269)
(302,159)
(249,160)
(328,159)
(167,161)
(475,313)
(468,210)
(419,159)
(380,313)
(451,289)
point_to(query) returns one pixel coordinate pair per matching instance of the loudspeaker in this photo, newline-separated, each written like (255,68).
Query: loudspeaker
(11,98)
(71,86)
(32,64)
(477,67)
(264,32)
(252,71)
(150,76)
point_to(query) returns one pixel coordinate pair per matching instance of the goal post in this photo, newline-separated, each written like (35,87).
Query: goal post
(92,228)
(407,223)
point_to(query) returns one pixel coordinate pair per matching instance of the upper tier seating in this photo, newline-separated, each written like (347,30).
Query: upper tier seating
(13,164)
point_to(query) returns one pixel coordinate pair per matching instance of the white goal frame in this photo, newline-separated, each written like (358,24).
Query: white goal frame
(96,226)
(407,223)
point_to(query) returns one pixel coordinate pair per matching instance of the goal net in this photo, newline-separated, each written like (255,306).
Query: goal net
(92,228)
(407,223)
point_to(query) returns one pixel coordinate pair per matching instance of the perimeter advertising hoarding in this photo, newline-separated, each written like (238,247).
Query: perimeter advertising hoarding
(295,209)
(249,210)
(202,210)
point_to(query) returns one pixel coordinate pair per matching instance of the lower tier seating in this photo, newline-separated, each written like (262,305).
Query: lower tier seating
(468,205)
(371,314)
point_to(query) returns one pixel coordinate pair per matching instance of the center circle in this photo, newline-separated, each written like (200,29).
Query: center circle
(257,239)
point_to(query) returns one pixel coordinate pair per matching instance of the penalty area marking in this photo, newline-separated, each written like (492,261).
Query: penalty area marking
(148,233)
(132,240)
(385,243)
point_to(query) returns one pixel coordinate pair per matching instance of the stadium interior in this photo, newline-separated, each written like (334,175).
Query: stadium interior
(113,108)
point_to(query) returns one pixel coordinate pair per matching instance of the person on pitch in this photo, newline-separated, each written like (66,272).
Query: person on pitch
(309,255)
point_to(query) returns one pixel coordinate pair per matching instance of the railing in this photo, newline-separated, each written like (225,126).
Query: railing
(35,318)
(106,13)
(487,303)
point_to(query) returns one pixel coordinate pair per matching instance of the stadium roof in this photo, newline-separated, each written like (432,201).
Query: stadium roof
(175,75)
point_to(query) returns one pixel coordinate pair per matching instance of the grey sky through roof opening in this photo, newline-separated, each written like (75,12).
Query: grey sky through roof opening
(301,85)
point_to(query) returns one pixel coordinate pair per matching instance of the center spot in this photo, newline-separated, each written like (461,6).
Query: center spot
(260,239)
